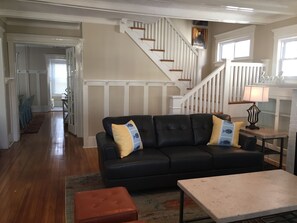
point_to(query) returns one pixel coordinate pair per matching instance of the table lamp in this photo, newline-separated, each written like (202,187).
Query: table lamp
(254,93)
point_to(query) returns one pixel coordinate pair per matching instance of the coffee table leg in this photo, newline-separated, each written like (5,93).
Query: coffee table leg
(281,154)
(181,207)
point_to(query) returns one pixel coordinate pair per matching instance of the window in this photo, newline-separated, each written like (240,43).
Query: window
(285,53)
(234,50)
(288,57)
(236,44)
(58,76)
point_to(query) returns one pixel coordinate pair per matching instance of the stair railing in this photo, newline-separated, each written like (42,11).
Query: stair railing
(176,47)
(242,74)
(223,86)
(207,96)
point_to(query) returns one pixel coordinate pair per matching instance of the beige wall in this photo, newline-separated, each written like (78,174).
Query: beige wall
(264,39)
(185,27)
(109,54)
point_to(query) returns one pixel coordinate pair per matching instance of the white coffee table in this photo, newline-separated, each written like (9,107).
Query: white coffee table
(239,197)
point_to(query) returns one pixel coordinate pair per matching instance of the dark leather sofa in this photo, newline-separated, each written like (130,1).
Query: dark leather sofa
(175,147)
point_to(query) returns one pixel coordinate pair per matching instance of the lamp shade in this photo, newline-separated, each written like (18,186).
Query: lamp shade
(256,93)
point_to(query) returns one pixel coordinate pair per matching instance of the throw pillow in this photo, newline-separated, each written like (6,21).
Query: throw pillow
(225,133)
(127,138)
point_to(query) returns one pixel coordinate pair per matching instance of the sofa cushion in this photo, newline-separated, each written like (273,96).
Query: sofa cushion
(202,127)
(146,162)
(224,132)
(173,130)
(144,124)
(127,138)
(231,157)
(187,159)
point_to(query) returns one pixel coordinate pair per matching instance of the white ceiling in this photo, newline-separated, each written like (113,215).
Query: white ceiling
(237,11)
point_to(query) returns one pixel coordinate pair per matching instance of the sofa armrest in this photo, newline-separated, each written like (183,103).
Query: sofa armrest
(107,148)
(247,142)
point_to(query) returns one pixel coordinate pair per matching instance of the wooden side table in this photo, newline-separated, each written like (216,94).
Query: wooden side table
(266,134)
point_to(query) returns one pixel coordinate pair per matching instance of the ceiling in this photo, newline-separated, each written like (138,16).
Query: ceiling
(233,11)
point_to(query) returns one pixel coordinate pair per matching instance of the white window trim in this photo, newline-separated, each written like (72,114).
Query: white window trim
(279,35)
(242,33)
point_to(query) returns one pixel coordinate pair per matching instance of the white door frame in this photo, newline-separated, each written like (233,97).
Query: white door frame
(4,134)
(14,39)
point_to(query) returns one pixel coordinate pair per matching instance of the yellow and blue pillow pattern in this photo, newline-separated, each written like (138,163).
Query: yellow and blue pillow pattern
(127,138)
(225,133)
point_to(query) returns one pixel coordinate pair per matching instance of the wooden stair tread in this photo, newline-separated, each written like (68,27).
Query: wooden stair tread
(139,28)
(166,60)
(184,79)
(147,39)
(239,102)
(158,50)
(175,70)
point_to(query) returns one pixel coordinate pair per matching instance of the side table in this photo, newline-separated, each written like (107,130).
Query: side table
(266,134)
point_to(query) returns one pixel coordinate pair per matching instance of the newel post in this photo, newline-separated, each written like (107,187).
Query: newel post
(200,60)
(175,104)
(226,88)
(266,63)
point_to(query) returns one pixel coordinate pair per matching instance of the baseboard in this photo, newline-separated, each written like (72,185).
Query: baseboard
(43,108)
(90,142)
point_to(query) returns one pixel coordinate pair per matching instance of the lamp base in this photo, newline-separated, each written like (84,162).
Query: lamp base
(252,127)
(253,113)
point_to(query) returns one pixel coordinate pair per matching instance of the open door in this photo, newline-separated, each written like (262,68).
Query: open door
(71,73)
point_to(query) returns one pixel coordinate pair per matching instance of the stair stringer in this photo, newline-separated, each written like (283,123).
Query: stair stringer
(155,58)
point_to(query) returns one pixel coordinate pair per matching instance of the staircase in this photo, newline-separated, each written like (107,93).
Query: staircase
(176,57)
(168,49)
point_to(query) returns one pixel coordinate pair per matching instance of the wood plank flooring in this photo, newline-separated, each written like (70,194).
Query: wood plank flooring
(33,170)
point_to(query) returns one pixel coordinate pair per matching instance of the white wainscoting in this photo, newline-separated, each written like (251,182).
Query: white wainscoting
(89,140)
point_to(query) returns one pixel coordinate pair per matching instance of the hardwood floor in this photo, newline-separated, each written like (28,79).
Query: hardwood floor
(33,170)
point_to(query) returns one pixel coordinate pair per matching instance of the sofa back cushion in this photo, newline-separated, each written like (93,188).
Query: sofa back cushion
(173,130)
(202,126)
(144,124)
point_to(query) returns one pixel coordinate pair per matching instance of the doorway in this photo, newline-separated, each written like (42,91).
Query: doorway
(75,43)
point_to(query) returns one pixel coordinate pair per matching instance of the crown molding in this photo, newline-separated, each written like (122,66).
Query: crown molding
(56,17)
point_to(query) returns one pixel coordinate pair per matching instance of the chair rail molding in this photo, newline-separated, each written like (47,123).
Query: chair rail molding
(88,139)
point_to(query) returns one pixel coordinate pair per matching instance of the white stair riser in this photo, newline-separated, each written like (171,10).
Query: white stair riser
(139,32)
(149,43)
(168,64)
